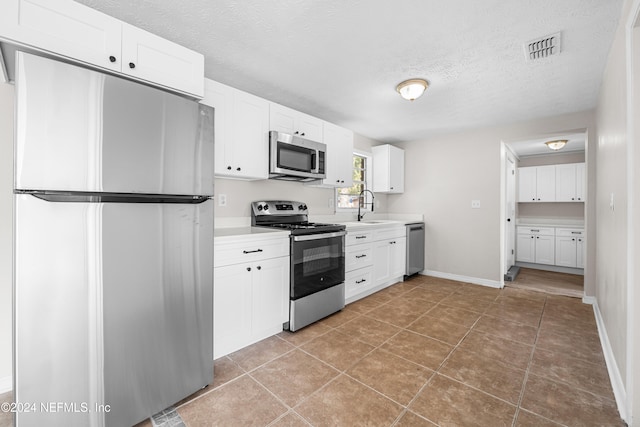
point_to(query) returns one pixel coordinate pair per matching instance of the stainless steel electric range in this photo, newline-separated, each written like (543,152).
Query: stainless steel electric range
(317,260)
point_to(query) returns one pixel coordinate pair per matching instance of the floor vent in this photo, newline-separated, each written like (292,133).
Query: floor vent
(167,418)
(542,47)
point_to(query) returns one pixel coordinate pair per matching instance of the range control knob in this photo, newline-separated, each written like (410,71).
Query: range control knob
(266,207)
(300,207)
(304,207)
(259,207)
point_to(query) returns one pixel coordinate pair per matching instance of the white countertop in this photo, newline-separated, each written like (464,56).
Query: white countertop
(550,222)
(247,231)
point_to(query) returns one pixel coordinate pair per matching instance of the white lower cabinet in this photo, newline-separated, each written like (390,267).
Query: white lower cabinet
(536,245)
(562,247)
(375,259)
(389,256)
(251,298)
(357,282)
(570,245)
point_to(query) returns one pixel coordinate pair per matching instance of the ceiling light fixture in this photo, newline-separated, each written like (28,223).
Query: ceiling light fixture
(557,144)
(412,89)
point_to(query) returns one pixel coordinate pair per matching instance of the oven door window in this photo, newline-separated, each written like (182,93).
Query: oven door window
(292,157)
(316,265)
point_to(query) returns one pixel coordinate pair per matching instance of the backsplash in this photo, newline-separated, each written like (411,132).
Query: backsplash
(239,195)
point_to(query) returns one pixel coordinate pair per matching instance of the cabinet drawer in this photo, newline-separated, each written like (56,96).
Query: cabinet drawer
(358,256)
(571,232)
(358,281)
(390,233)
(234,253)
(541,231)
(356,238)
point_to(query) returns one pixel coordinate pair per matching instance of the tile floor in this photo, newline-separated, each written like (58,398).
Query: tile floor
(423,352)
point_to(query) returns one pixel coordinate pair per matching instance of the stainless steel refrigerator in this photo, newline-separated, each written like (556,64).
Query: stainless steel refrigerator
(113,274)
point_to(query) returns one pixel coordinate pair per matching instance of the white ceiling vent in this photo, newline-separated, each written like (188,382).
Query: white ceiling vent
(542,47)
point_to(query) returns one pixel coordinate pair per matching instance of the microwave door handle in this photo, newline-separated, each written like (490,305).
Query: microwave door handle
(316,158)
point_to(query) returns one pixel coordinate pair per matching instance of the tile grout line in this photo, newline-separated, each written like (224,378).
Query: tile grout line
(526,373)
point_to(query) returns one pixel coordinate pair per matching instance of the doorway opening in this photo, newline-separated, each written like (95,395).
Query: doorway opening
(544,213)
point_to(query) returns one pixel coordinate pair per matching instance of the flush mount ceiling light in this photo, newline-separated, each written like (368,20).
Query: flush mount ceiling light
(557,144)
(412,89)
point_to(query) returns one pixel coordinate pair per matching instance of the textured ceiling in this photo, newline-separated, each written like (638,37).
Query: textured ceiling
(341,59)
(536,147)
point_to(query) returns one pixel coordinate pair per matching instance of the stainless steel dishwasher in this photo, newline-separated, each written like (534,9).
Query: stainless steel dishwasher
(415,248)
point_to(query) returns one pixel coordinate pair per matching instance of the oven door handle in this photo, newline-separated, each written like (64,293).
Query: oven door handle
(318,236)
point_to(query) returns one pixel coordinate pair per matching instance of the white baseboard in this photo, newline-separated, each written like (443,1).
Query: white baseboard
(466,279)
(617,384)
(6,384)
(588,300)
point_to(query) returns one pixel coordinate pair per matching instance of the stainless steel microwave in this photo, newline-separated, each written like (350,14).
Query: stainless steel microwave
(296,159)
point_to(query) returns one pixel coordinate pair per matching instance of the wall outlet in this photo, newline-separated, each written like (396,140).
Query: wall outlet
(222,200)
(475,204)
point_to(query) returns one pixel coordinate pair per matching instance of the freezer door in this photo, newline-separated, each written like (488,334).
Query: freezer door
(113,308)
(81,130)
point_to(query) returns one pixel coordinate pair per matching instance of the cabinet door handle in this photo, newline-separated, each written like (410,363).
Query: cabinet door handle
(573,240)
(361,256)
(229,168)
(360,281)
(361,237)
(112,58)
(248,268)
(132,65)
(251,252)
(259,268)
(238,169)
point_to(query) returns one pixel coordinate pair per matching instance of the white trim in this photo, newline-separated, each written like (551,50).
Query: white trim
(612,367)
(588,300)
(632,365)
(6,384)
(369,181)
(466,279)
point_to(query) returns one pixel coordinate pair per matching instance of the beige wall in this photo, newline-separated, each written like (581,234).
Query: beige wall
(6,226)
(611,159)
(241,193)
(444,173)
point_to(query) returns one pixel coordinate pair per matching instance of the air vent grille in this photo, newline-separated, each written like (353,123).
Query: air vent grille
(542,47)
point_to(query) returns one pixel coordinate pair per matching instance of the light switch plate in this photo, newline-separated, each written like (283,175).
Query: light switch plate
(222,200)
(475,204)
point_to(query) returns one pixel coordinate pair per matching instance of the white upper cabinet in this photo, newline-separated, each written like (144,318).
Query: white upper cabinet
(570,182)
(154,59)
(581,194)
(552,183)
(339,161)
(388,169)
(241,132)
(287,120)
(75,31)
(537,184)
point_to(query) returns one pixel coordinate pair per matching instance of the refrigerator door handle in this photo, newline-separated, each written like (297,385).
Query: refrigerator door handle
(90,197)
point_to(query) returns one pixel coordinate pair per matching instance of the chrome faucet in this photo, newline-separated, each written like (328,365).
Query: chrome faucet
(360,204)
